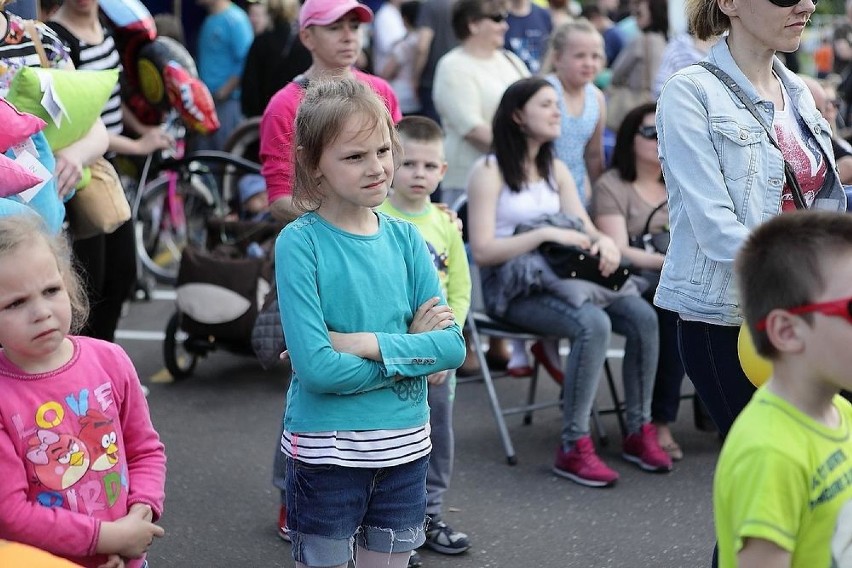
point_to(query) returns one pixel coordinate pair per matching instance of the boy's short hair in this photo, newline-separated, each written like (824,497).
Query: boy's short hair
(420,129)
(784,263)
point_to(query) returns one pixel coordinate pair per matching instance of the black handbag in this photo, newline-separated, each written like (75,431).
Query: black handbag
(652,242)
(575,262)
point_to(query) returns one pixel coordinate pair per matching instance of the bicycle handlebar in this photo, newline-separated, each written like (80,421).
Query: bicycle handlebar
(214,156)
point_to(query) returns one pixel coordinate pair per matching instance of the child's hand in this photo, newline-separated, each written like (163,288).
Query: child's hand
(113,561)
(437,378)
(454,217)
(131,535)
(149,513)
(431,316)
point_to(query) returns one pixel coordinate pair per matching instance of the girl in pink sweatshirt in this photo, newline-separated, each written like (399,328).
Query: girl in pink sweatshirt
(83,469)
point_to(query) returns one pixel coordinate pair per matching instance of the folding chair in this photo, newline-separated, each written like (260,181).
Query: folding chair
(479,324)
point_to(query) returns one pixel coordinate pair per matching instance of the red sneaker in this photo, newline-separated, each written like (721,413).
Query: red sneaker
(283,531)
(582,465)
(643,449)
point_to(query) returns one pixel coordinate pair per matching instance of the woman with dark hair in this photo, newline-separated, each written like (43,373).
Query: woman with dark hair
(517,186)
(629,201)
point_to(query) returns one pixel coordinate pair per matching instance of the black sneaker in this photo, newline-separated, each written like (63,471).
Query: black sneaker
(440,537)
(414,561)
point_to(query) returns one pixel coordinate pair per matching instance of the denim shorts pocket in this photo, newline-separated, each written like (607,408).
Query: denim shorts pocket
(310,467)
(737,147)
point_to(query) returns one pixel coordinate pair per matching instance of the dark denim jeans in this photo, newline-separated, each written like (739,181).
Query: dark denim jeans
(666,401)
(709,354)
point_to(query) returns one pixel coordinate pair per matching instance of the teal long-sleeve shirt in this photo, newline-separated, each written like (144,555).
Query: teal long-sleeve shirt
(331,280)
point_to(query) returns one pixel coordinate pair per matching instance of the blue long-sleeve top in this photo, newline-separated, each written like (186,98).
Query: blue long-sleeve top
(332,280)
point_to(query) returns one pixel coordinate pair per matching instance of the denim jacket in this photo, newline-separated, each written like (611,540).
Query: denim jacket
(723,177)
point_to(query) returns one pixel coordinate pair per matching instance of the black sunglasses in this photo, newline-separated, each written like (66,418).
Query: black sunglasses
(648,132)
(498,18)
(788,3)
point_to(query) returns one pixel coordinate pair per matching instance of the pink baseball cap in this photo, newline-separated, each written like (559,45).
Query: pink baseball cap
(325,12)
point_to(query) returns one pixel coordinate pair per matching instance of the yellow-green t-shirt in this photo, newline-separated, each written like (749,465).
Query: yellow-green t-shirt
(445,244)
(785,478)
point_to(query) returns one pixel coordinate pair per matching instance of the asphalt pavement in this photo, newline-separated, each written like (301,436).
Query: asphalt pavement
(220,428)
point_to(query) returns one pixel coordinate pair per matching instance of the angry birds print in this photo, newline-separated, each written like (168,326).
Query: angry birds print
(98,434)
(60,460)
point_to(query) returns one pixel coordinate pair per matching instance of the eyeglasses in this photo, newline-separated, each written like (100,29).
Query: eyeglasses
(648,132)
(498,18)
(837,308)
(788,3)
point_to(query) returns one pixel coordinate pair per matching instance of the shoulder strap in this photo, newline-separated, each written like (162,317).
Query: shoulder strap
(302,80)
(647,228)
(29,25)
(732,85)
(69,39)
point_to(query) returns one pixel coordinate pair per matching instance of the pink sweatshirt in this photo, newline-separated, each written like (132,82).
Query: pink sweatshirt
(77,448)
(278,124)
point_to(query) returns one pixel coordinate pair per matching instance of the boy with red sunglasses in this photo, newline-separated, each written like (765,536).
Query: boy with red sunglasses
(784,477)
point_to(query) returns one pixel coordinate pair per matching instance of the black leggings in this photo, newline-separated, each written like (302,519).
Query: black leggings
(108,266)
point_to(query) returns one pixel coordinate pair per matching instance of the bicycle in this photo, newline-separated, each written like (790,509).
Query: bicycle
(171,210)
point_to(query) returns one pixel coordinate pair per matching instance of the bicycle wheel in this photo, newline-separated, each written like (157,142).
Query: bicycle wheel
(179,361)
(160,239)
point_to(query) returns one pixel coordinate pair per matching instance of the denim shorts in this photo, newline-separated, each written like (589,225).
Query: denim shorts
(330,507)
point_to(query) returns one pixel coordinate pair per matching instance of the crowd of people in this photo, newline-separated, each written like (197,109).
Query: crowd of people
(691,158)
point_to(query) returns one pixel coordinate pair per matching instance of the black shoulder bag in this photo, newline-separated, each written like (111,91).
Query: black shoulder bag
(789,173)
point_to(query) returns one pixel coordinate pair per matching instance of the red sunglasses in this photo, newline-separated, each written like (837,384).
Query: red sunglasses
(841,308)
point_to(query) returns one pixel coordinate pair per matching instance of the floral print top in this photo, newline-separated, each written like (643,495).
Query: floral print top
(17,50)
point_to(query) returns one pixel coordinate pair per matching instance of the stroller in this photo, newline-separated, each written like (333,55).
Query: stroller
(220,290)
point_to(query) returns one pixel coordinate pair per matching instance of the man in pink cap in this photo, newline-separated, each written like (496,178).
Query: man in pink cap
(329,29)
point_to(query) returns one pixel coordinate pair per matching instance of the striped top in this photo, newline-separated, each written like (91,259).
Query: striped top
(364,448)
(97,57)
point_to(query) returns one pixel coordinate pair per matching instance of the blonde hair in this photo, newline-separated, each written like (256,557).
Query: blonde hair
(560,36)
(324,110)
(18,229)
(705,19)
(282,11)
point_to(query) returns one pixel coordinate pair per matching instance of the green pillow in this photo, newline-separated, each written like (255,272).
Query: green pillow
(83,94)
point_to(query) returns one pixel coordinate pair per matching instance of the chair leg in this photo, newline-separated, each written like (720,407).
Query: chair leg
(531,394)
(617,406)
(492,395)
(603,439)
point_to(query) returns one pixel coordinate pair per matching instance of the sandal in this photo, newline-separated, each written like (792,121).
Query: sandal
(673,449)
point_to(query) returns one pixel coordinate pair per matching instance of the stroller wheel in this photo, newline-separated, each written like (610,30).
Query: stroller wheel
(179,361)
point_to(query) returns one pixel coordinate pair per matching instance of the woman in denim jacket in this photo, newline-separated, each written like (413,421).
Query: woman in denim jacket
(724,177)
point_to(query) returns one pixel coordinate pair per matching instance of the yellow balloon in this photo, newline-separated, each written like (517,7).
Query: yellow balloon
(757,369)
